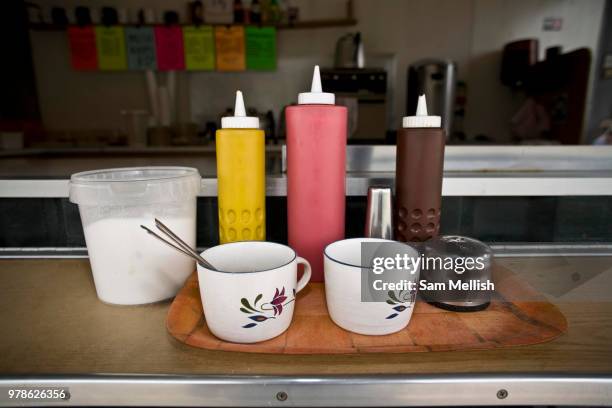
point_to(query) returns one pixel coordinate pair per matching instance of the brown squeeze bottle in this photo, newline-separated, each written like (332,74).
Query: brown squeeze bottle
(418,176)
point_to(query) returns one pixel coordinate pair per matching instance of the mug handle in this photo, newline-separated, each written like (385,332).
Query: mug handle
(305,276)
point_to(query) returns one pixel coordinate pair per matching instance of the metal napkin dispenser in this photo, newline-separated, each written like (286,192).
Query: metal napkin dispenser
(379,213)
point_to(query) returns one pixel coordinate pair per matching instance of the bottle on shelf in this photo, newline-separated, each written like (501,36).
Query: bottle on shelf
(238,12)
(246,6)
(255,15)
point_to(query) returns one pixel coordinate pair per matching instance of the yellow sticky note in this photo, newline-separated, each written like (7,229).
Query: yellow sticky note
(110,42)
(199,45)
(229,48)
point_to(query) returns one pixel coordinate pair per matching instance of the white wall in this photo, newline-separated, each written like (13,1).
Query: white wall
(415,30)
(395,32)
(497,22)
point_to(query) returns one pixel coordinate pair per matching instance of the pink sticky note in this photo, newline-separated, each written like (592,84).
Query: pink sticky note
(169,48)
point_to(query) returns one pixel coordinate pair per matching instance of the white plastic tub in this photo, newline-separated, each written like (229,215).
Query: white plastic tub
(129,266)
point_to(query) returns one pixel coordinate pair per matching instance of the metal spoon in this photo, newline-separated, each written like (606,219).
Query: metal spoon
(180,246)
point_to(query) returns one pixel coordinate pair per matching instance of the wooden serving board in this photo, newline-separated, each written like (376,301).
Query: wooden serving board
(502,324)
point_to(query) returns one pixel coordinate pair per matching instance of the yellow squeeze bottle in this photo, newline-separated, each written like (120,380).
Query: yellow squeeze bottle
(241,176)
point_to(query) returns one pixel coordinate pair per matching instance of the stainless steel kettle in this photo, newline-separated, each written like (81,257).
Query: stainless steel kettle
(349,51)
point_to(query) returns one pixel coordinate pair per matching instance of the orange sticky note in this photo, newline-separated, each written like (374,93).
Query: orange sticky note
(229,48)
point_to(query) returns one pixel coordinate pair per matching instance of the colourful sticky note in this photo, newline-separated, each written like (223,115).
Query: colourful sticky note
(229,48)
(82,42)
(111,48)
(199,48)
(140,45)
(261,48)
(169,48)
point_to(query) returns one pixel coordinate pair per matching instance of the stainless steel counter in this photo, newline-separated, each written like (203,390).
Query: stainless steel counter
(317,391)
(57,334)
(567,183)
(469,170)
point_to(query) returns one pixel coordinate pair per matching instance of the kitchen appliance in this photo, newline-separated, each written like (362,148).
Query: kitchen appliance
(364,92)
(435,78)
(517,59)
(349,51)
(560,84)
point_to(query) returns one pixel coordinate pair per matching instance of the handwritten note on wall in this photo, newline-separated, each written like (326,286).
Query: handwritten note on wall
(261,48)
(169,48)
(229,46)
(199,48)
(173,48)
(83,52)
(110,42)
(140,45)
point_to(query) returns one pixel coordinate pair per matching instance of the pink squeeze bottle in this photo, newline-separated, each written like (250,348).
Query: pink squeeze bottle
(316,156)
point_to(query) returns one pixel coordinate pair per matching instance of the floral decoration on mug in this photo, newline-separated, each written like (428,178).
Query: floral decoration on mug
(403,296)
(265,310)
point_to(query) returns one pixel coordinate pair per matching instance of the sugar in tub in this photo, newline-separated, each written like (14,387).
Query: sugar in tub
(129,266)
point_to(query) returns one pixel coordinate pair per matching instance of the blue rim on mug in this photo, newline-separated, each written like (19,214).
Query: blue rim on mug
(363,239)
(243,242)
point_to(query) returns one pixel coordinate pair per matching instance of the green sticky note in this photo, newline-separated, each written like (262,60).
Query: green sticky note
(110,42)
(261,48)
(199,45)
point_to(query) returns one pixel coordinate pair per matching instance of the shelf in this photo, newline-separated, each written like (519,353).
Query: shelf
(336,22)
(298,25)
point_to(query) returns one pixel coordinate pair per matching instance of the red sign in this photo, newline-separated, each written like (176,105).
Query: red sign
(169,48)
(83,53)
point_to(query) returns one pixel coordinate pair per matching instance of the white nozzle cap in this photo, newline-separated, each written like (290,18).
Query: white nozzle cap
(239,120)
(421,119)
(316,96)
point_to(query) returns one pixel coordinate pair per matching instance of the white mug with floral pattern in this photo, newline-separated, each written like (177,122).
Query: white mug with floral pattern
(251,295)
